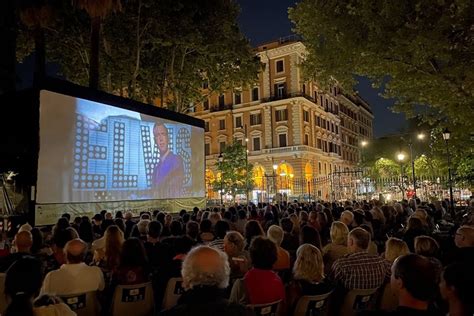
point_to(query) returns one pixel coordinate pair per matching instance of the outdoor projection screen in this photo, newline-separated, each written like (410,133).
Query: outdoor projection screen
(92,152)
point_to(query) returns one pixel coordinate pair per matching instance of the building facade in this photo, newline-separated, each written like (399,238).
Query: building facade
(297,134)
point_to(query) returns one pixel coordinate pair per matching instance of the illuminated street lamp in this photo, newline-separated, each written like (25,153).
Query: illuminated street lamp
(275,167)
(446,137)
(401,158)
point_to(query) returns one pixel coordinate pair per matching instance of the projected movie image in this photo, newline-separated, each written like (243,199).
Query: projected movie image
(119,154)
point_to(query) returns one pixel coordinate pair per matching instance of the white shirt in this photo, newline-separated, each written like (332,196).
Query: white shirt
(60,309)
(73,279)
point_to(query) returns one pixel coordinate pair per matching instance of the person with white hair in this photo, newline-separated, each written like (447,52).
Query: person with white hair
(275,233)
(205,273)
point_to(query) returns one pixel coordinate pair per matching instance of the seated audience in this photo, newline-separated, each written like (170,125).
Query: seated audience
(252,230)
(358,269)
(108,257)
(22,243)
(239,260)
(347,217)
(275,234)
(206,231)
(456,284)
(308,275)
(414,228)
(74,276)
(220,229)
(338,245)
(414,282)
(205,276)
(464,241)
(309,235)
(22,285)
(290,239)
(133,267)
(394,248)
(260,284)
(159,254)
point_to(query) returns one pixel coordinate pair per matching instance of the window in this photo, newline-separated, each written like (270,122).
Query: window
(207,149)
(319,167)
(318,121)
(279,66)
(221,146)
(326,107)
(304,88)
(337,129)
(280,90)
(282,140)
(238,122)
(205,84)
(237,98)
(221,101)
(256,143)
(306,139)
(255,96)
(306,116)
(206,126)
(281,115)
(222,124)
(319,143)
(205,105)
(256,119)
(315,97)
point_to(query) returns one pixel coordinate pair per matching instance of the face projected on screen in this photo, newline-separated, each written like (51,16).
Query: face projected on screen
(160,132)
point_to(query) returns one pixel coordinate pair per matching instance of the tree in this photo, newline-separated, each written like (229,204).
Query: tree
(97,10)
(234,172)
(157,51)
(421,52)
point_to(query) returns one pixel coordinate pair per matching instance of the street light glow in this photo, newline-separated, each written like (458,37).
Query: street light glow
(275,167)
(421,136)
(364,143)
(401,156)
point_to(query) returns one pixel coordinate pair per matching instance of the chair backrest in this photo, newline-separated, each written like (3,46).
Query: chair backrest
(357,300)
(312,305)
(388,299)
(174,289)
(270,309)
(83,304)
(136,300)
(3,299)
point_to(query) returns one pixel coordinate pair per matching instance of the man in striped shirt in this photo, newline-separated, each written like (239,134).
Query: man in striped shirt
(358,269)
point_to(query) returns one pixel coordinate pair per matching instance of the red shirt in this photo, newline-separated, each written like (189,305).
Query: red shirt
(263,286)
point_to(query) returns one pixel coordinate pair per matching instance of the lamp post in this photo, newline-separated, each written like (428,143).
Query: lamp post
(220,159)
(364,144)
(246,166)
(446,137)
(275,167)
(400,158)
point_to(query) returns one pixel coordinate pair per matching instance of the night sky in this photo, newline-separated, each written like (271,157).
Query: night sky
(265,20)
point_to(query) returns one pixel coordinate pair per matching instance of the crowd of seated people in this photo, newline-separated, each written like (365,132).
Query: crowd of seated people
(232,260)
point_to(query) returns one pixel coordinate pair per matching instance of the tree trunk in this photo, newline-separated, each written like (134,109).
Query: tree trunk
(94,55)
(40,55)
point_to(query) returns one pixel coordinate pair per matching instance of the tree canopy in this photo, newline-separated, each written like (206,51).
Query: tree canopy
(421,52)
(154,49)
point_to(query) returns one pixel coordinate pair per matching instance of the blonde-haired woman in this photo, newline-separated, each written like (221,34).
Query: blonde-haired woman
(338,245)
(394,248)
(109,257)
(308,275)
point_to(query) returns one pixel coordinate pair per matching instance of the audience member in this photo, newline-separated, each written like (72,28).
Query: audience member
(133,267)
(338,245)
(456,284)
(22,285)
(358,269)
(308,275)
(275,233)
(239,260)
(394,248)
(260,284)
(206,231)
(220,229)
(252,230)
(22,243)
(74,276)
(309,235)
(347,217)
(205,277)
